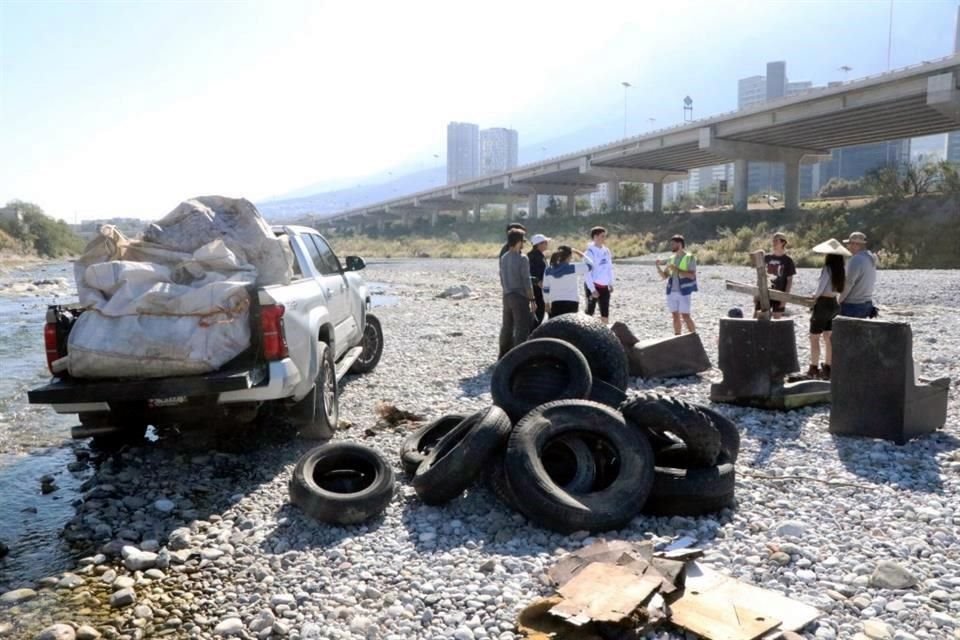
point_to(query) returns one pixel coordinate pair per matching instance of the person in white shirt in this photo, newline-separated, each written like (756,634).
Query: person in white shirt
(598,282)
(560,287)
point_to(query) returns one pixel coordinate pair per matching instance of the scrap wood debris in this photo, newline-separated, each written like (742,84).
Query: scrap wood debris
(393,416)
(624,589)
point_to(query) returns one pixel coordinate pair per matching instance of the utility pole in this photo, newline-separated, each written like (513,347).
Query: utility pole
(626,85)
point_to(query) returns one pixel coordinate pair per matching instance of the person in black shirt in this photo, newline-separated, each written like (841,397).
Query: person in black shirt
(538,265)
(781,269)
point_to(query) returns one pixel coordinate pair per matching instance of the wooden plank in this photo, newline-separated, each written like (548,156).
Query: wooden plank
(604,593)
(742,287)
(762,289)
(792,614)
(715,616)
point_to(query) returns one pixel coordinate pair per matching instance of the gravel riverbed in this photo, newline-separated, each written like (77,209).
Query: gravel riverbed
(191,535)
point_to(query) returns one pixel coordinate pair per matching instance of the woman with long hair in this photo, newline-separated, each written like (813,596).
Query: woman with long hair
(560,288)
(826,306)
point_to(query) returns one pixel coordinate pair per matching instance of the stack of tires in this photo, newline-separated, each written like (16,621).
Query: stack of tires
(566,447)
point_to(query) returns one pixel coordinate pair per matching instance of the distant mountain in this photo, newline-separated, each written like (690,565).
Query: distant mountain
(330,202)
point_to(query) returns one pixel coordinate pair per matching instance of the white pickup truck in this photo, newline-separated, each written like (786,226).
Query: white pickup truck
(305,336)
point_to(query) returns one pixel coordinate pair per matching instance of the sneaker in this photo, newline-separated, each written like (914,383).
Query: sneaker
(825,372)
(813,372)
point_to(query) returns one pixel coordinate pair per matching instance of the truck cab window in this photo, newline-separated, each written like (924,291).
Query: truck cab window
(331,266)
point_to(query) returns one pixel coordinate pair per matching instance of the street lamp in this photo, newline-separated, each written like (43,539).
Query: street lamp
(626,85)
(652,122)
(846,71)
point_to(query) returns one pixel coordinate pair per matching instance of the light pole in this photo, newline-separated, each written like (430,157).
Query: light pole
(626,85)
(846,71)
(652,122)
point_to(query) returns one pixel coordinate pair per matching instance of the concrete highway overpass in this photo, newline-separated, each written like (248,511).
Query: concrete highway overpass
(915,101)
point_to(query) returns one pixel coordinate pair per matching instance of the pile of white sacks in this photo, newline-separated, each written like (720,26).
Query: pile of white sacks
(177,300)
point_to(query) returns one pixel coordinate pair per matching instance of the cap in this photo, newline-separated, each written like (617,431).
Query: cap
(856,236)
(678,238)
(780,235)
(831,247)
(538,238)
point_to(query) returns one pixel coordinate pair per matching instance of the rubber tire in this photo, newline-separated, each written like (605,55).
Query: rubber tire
(421,442)
(585,465)
(597,343)
(342,508)
(461,456)
(499,484)
(311,415)
(546,504)
(372,351)
(729,433)
(692,492)
(606,393)
(536,372)
(662,413)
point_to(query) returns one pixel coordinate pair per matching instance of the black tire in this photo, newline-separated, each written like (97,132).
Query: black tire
(317,413)
(461,456)
(662,413)
(729,434)
(599,345)
(674,455)
(692,492)
(342,483)
(499,484)
(421,442)
(536,372)
(372,347)
(625,462)
(570,464)
(606,393)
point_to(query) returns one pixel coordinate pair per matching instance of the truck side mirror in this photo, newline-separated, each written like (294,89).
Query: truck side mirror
(355,263)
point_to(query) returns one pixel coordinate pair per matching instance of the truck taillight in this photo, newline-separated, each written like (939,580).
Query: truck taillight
(50,344)
(274,337)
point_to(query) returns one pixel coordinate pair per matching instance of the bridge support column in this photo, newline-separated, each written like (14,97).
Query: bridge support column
(509,211)
(572,205)
(476,211)
(658,197)
(791,183)
(464,215)
(532,212)
(613,194)
(433,218)
(381,225)
(741,170)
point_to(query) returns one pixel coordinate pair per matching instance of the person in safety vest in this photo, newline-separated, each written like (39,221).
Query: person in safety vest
(680,272)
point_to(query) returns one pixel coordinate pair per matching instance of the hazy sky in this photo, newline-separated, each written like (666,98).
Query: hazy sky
(125,108)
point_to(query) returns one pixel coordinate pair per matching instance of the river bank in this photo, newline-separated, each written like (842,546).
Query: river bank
(232,553)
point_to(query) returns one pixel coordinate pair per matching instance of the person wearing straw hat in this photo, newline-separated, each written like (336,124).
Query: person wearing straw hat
(826,307)
(856,301)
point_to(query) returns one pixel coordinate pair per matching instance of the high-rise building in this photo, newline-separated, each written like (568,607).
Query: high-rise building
(852,163)
(498,150)
(776,79)
(463,151)
(953,139)
(751,91)
(795,88)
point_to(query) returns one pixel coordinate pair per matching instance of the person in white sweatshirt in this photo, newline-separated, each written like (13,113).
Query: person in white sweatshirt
(598,282)
(560,286)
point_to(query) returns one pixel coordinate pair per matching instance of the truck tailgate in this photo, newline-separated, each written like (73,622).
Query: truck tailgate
(73,390)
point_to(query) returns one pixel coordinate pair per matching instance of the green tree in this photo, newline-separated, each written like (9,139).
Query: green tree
(632,196)
(40,233)
(553,207)
(583,205)
(949,179)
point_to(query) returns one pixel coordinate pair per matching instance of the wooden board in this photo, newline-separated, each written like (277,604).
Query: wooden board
(713,615)
(742,287)
(604,593)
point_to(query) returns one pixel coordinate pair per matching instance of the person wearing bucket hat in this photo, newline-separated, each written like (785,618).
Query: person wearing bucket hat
(538,264)
(826,307)
(856,301)
(781,269)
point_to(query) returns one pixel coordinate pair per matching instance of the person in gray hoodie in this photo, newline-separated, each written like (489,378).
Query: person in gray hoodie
(856,301)
(518,300)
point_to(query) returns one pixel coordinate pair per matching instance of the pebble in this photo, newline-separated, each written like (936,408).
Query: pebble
(890,575)
(86,632)
(17,596)
(791,529)
(164,506)
(122,598)
(58,632)
(877,629)
(229,627)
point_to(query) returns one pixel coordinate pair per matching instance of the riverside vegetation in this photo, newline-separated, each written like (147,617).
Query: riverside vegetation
(37,234)
(908,232)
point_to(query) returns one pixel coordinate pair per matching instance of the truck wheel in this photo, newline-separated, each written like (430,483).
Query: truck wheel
(318,412)
(109,432)
(372,347)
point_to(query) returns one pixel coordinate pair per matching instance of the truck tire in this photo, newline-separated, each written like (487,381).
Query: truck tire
(418,445)
(536,372)
(317,413)
(461,456)
(109,431)
(606,393)
(692,492)
(342,483)
(372,347)
(661,413)
(599,345)
(625,473)
(729,434)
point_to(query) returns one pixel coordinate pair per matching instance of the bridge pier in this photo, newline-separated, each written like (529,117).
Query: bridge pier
(509,211)
(433,217)
(791,183)
(741,170)
(532,212)
(613,194)
(572,205)
(476,211)
(381,224)
(658,197)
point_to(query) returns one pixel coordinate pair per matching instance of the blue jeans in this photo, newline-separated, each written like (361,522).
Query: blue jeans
(856,309)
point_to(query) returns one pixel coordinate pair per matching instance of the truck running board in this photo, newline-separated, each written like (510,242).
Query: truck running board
(347,361)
